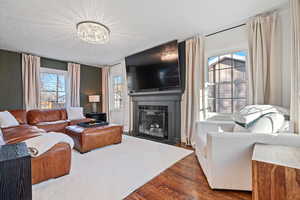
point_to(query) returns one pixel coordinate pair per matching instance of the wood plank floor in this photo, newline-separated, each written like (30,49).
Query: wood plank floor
(184,181)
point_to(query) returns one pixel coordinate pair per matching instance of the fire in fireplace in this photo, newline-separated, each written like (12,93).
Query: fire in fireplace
(153,121)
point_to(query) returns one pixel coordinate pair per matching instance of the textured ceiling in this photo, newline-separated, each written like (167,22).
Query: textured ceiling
(48,28)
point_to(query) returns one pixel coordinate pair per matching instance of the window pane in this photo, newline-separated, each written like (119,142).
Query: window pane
(239,89)
(48,82)
(61,83)
(48,100)
(211,91)
(227,89)
(238,104)
(224,105)
(211,105)
(53,90)
(223,90)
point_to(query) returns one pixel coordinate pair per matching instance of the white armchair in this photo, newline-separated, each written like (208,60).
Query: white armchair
(225,157)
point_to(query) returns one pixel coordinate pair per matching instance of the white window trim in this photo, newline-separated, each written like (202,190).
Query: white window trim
(60,72)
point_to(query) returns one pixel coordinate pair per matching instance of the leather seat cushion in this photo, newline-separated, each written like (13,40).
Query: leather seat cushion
(59,127)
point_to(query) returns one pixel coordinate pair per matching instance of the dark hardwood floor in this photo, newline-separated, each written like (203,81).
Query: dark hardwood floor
(184,181)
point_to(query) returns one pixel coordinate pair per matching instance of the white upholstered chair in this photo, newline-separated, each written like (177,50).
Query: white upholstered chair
(225,157)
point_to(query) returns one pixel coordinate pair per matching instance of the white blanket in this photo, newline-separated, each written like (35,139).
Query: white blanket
(41,144)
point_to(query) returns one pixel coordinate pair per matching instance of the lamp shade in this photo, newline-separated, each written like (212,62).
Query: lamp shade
(94,98)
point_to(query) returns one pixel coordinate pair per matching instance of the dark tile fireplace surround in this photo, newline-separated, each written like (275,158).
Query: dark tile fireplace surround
(156,116)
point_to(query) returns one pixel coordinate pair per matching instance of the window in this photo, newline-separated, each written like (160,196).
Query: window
(117,92)
(227,82)
(53,88)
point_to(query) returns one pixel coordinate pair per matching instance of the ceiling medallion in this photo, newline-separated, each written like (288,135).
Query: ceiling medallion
(93,32)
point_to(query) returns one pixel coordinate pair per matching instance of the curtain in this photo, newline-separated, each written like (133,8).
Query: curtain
(193,99)
(295,92)
(31,81)
(127,102)
(105,91)
(264,70)
(74,80)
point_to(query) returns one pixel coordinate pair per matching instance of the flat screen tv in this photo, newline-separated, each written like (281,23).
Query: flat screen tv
(156,69)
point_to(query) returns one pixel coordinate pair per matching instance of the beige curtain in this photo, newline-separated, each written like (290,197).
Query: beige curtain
(264,70)
(31,81)
(105,91)
(74,80)
(127,102)
(295,92)
(193,101)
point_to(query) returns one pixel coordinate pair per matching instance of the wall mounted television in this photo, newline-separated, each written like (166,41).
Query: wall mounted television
(155,69)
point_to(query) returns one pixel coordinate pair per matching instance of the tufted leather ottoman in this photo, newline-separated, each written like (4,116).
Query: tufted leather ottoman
(87,139)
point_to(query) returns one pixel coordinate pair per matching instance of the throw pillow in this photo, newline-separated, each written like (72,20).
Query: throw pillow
(1,138)
(7,120)
(75,113)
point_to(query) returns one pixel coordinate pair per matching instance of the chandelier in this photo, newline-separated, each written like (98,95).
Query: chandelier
(93,32)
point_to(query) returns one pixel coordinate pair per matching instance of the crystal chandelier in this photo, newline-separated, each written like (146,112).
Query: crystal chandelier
(93,32)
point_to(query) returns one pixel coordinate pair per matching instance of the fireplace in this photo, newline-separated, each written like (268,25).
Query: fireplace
(156,116)
(153,121)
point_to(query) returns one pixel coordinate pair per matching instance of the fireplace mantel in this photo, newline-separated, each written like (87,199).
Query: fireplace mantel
(171,99)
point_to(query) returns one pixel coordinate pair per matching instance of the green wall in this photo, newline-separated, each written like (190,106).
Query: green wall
(11,96)
(90,84)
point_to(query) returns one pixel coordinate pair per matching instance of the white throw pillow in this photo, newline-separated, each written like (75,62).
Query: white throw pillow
(1,138)
(270,123)
(7,120)
(75,113)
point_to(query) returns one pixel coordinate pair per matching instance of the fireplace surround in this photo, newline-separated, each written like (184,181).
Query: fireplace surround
(156,116)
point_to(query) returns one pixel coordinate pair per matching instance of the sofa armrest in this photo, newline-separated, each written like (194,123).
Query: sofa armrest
(229,155)
(205,127)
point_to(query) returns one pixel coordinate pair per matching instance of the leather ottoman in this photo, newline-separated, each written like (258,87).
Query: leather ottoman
(87,139)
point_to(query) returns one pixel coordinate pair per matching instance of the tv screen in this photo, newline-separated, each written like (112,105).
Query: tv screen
(154,69)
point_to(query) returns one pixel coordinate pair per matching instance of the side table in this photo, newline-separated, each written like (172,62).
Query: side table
(275,172)
(15,172)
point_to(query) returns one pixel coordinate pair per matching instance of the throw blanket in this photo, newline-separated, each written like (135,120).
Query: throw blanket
(41,144)
(250,114)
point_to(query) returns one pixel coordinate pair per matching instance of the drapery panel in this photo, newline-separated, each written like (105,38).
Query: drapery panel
(295,58)
(31,81)
(264,58)
(193,100)
(74,80)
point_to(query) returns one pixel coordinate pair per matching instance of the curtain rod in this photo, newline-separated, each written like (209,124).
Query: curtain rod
(208,35)
(224,30)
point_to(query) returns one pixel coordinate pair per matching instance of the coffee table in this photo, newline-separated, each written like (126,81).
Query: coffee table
(87,139)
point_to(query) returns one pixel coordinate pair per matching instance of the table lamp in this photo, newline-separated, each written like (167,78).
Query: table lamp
(94,99)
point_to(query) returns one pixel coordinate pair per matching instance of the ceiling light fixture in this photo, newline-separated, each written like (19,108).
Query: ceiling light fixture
(93,32)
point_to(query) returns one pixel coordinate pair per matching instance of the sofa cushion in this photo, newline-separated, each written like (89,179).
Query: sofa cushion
(37,116)
(56,127)
(75,113)
(7,120)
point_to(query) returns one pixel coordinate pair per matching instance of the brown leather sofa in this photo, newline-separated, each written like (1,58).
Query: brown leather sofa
(57,161)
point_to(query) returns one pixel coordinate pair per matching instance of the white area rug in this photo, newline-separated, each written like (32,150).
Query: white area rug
(111,173)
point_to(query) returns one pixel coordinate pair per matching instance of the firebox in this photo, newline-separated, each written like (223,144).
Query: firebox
(153,121)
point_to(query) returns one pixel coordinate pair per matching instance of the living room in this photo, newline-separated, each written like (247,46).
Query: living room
(150,100)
